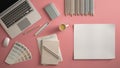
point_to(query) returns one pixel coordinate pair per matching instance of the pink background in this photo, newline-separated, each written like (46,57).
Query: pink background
(106,11)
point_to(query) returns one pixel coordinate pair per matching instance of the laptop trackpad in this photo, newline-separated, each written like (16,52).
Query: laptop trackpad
(23,24)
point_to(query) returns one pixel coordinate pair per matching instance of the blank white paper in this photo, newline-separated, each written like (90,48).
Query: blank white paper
(94,41)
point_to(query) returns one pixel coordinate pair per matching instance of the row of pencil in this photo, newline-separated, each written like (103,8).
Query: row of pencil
(79,7)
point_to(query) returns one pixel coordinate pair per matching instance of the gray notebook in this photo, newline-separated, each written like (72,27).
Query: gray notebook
(52,11)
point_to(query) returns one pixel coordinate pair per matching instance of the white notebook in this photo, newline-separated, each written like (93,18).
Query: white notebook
(48,49)
(50,53)
(94,41)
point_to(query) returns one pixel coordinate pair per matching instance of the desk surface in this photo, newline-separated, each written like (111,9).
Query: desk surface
(106,11)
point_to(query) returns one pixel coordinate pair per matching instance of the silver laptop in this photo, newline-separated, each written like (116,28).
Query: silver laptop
(17,15)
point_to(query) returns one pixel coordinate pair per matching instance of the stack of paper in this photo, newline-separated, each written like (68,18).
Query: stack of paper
(18,53)
(50,50)
(94,41)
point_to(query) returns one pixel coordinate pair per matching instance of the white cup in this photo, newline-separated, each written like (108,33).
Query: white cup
(62,27)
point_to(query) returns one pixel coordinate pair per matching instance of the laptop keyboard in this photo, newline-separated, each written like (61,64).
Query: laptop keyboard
(16,14)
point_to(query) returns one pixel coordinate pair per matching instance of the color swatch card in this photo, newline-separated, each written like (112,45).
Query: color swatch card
(18,53)
(50,50)
(94,41)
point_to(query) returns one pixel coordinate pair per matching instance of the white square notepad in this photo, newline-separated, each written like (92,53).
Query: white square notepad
(50,50)
(94,41)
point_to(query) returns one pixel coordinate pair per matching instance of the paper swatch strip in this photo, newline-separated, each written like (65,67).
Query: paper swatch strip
(18,53)
(79,7)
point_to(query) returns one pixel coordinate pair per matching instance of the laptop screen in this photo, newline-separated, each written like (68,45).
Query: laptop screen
(4,4)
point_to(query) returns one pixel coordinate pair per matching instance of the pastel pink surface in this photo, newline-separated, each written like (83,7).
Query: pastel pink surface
(106,11)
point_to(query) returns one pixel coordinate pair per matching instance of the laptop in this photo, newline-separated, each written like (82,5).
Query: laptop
(17,15)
